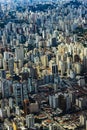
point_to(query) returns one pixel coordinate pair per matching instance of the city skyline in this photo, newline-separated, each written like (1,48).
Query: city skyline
(43,65)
